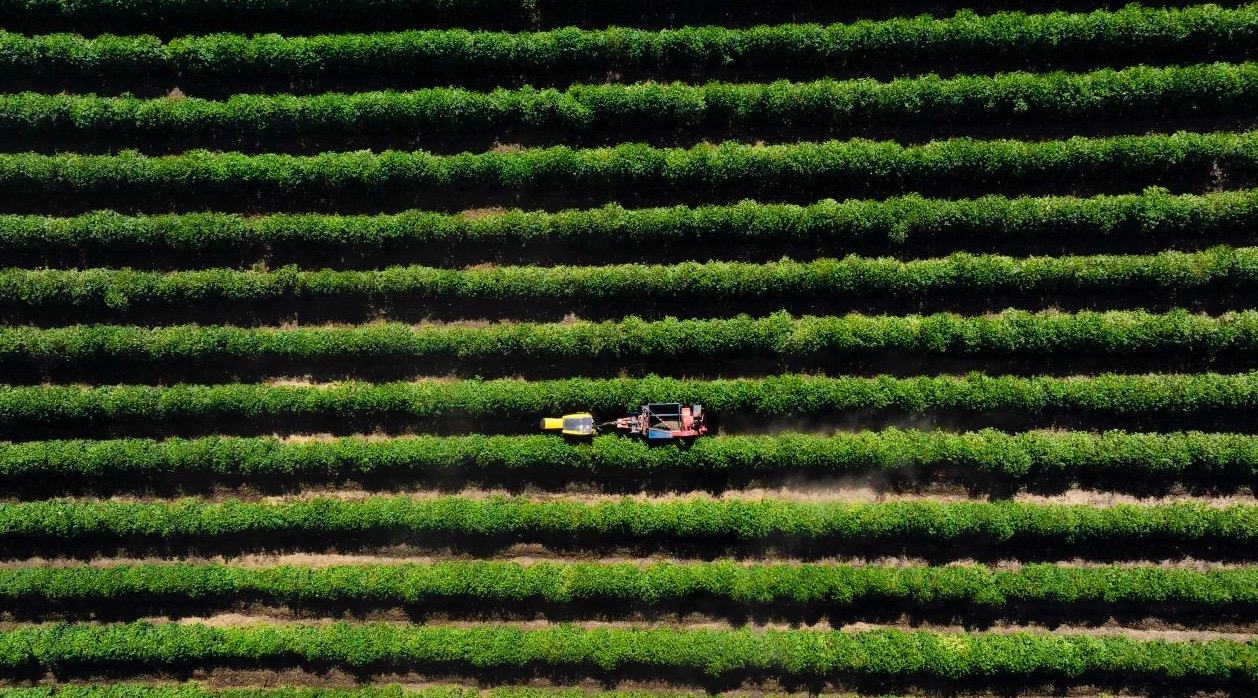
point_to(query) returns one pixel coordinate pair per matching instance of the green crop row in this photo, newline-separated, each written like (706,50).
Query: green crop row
(129,13)
(628,583)
(921,41)
(1190,455)
(991,219)
(800,167)
(832,279)
(696,521)
(1107,94)
(156,14)
(690,653)
(1009,333)
(514,403)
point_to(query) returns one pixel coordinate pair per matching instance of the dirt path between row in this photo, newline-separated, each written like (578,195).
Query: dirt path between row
(530,554)
(1150,628)
(836,490)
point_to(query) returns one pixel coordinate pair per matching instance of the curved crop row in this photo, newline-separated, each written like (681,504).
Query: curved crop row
(988,220)
(1219,268)
(801,167)
(623,521)
(498,582)
(1009,333)
(1191,455)
(128,14)
(514,403)
(270,15)
(693,654)
(921,41)
(1107,94)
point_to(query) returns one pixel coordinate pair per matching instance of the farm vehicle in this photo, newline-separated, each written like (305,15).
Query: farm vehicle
(656,422)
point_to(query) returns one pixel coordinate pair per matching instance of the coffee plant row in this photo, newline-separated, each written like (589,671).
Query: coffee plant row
(1144,92)
(435,55)
(420,521)
(827,655)
(985,221)
(1219,268)
(514,403)
(386,585)
(1032,454)
(1009,333)
(856,165)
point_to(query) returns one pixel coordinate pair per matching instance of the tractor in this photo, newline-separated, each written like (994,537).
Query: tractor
(656,422)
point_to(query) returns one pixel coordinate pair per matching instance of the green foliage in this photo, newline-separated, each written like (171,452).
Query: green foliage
(988,220)
(800,167)
(1010,333)
(697,521)
(825,586)
(1190,456)
(1219,268)
(520,402)
(1106,94)
(820,654)
(437,54)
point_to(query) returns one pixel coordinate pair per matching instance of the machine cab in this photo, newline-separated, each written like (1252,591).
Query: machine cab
(578,424)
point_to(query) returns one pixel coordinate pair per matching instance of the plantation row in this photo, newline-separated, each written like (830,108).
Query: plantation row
(1009,333)
(627,521)
(1219,268)
(798,168)
(684,654)
(514,403)
(118,15)
(1107,94)
(1138,218)
(1190,455)
(436,55)
(609,583)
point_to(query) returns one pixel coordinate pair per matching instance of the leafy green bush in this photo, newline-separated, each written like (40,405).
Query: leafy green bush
(1219,268)
(1106,94)
(520,402)
(405,519)
(437,54)
(1140,218)
(857,165)
(825,586)
(820,654)
(1010,333)
(1191,455)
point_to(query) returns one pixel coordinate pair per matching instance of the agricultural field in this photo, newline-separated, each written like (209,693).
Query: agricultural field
(968,292)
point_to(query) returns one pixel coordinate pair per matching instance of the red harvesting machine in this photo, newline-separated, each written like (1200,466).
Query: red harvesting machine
(661,421)
(655,422)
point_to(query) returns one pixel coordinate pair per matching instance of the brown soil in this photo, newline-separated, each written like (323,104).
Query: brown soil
(839,490)
(528,554)
(222,678)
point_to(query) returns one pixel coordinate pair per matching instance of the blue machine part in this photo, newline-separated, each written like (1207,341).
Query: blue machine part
(659,434)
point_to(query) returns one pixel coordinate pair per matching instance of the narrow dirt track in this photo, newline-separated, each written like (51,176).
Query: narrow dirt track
(838,490)
(1147,629)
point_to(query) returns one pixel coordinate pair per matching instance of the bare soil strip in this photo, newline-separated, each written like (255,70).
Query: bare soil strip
(1150,628)
(224,678)
(531,554)
(837,490)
